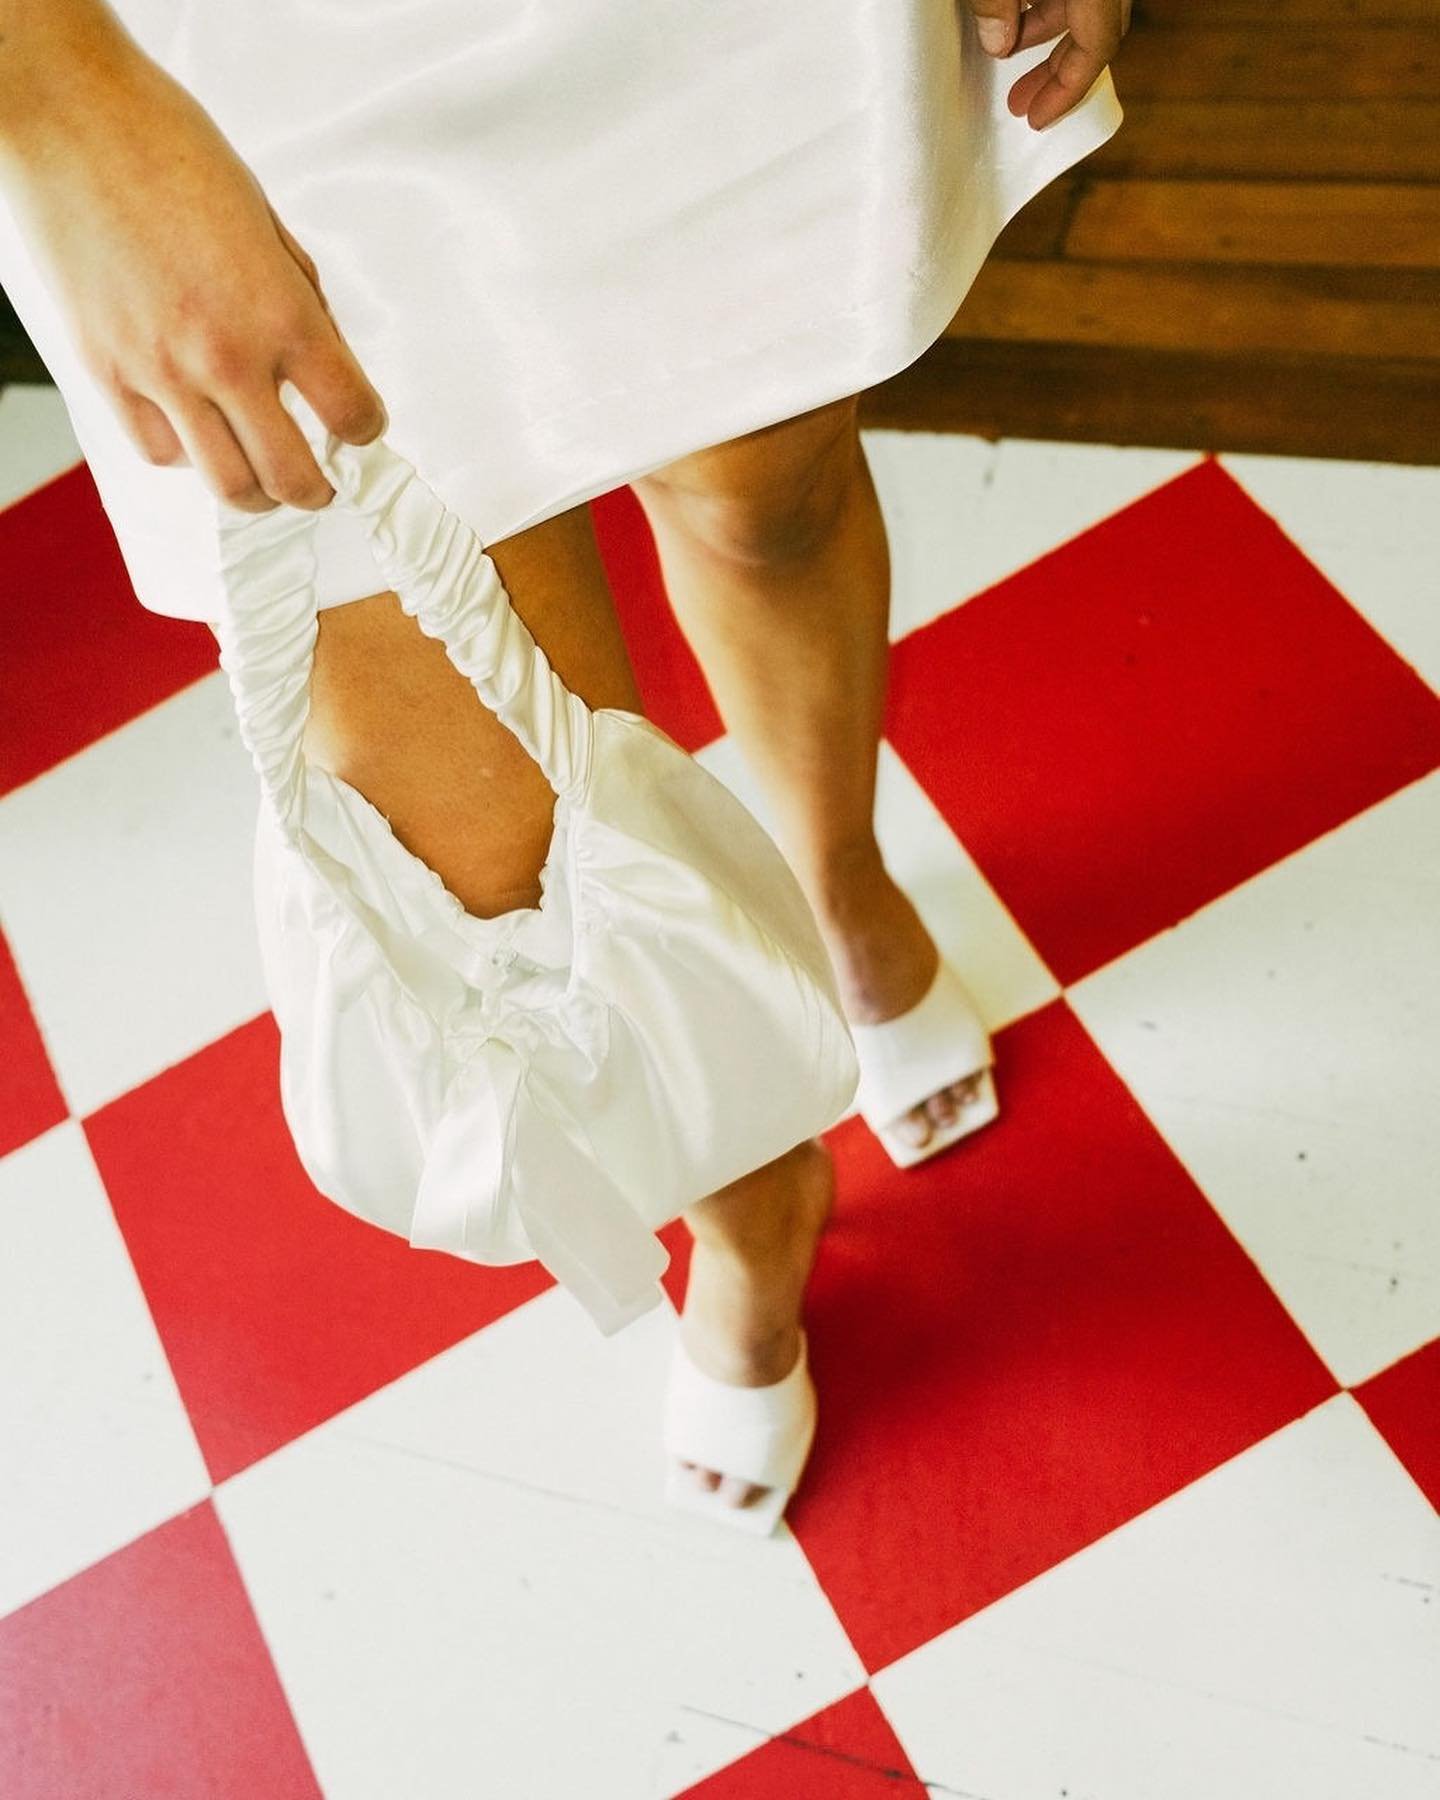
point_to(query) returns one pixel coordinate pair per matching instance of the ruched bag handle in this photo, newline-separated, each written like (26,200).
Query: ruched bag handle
(445,581)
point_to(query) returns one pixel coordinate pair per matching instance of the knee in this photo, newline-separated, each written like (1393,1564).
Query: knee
(758,502)
(768,528)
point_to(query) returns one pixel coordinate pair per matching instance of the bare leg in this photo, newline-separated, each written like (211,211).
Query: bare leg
(755,1244)
(775,560)
(391,715)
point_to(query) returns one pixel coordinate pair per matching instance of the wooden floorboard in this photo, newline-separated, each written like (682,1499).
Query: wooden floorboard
(1372,224)
(1203,61)
(1251,262)
(1368,313)
(1352,14)
(1295,405)
(1308,139)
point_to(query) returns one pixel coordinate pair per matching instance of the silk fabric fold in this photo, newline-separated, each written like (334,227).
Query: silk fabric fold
(559,1081)
(573,240)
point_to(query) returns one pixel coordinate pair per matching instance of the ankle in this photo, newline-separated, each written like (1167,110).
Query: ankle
(845,887)
(881,950)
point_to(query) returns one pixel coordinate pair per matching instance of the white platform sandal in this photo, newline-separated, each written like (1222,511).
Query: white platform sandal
(760,1434)
(941,1040)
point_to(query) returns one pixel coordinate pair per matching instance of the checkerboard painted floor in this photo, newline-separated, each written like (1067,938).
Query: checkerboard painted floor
(1126,1480)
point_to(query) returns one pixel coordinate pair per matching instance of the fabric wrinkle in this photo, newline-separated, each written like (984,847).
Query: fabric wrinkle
(560,1080)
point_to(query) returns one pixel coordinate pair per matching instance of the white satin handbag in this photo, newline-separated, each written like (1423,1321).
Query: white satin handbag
(559,1081)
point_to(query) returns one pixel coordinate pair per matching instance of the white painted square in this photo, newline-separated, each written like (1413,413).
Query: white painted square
(963,512)
(1285,1041)
(470,1583)
(95,1443)
(36,440)
(125,891)
(1373,529)
(1268,1631)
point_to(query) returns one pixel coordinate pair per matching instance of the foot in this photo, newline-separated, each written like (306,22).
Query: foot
(755,1245)
(885,961)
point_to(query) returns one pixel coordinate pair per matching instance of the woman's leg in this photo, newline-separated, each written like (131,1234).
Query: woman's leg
(393,716)
(775,559)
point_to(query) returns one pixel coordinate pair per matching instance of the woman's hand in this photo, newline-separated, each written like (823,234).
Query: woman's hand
(1092,30)
(187,298)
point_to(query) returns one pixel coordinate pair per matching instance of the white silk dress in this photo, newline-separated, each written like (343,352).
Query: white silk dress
(572,240)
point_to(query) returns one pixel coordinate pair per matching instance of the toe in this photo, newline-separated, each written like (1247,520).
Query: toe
(914,1127)
(941,1108)
(736,1492)
(940,1111)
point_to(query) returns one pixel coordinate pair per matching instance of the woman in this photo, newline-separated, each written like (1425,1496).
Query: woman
(664,243)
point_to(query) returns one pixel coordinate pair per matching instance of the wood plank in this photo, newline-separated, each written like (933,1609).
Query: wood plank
(1373,224)
(1039,228)
(1283,405)
(1245,62)
(1338,14)
(1394,140)
(1178,306)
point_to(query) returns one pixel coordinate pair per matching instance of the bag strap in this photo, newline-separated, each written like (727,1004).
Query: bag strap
(445,581)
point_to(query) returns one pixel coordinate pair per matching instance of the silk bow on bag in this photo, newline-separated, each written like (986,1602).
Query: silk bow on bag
(558,1081)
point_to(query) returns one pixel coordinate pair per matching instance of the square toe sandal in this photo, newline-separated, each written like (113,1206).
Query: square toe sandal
(904,1060)
(761,1434)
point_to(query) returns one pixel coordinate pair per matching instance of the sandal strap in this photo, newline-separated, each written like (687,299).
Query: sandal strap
(759,1434)
(940,1040)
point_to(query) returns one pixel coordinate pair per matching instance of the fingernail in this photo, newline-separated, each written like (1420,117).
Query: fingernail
(994,35)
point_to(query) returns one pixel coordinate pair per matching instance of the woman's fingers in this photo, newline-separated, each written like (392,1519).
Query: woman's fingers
(283,463)
(228,421)
(1095,28)
(996,23)
(218,409)
(325,370)
(303,259)
(240,438)
(301,255)
(1044,93)
(212,451)
(190,298)
(149,430)
(323,367)
(1041,22)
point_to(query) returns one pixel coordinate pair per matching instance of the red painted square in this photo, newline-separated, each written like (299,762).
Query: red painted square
(1403,1402)
(79,655)
(145,1677)
(846,1752)
(30,1097)
(277,1308)
(1150,714)
(672,685)
(1021,1344)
